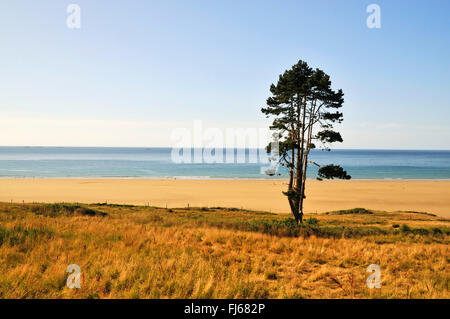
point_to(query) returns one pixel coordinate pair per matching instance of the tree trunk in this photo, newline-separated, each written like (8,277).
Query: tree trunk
(301,119)
(305,161)
(292,201)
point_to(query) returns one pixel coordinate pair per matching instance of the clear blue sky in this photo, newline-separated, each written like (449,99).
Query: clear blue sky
(138,66)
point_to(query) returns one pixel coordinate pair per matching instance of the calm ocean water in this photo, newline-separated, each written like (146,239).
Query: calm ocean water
(156,162)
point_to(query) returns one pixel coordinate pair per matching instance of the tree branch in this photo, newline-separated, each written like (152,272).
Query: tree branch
(311,162)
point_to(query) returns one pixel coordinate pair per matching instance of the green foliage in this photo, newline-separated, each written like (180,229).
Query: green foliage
(271,275)
(304,109)
(112,205)
(284,227)
(312,221)
(420,231)
(63,209)
(20,234)
(436,230)
(291,193)
(405,228)
(306,94)
(333,171)
(349,232)
(328,136)
(420,213)
(351,211)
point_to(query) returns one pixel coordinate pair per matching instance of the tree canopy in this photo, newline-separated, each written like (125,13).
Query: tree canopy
(305,109)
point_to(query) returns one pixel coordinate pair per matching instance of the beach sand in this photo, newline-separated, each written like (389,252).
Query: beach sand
(423,196)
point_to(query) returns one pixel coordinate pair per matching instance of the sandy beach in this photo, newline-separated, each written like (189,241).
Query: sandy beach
(424,196)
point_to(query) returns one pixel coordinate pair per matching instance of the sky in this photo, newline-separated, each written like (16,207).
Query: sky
(137,70)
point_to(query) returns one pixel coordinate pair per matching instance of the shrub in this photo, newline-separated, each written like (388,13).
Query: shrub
(436,230)
(422,213)
(312,221)
(88,212)
(284,227)
(351,211)
(405,228)
(420,231)
(112,205)
(271,275)
(62,209)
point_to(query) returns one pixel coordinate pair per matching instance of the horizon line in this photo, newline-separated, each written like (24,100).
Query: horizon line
(169,147)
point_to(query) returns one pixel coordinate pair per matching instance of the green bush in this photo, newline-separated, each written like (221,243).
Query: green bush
(436,230)
(312,221)
(405,228)
(351,211)
(112,205)
(284,227)
(271,275)
(420,231)
(63,209)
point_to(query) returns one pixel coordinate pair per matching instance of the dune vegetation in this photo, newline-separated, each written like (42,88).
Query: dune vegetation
(127,251)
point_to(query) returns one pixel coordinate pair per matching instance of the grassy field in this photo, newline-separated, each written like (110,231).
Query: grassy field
(148,252)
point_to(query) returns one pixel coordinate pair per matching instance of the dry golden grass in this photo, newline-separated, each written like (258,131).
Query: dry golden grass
(147,252)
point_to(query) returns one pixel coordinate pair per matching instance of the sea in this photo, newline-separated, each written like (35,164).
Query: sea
(129,162)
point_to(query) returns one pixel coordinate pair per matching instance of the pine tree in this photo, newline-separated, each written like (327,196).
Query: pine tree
(304,108)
